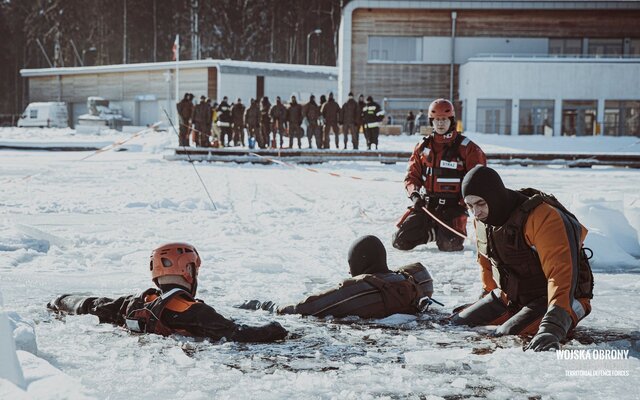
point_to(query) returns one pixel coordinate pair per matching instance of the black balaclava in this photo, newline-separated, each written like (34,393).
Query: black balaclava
(485,182)
(367,256)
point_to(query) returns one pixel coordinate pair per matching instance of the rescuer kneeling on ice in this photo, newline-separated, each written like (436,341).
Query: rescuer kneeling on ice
(173,308)
(437,166)
(535,271)
(374,291)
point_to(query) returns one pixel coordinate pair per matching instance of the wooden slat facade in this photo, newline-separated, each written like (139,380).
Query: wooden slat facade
(432,81)
(117,86)
(398,80)
(212,83)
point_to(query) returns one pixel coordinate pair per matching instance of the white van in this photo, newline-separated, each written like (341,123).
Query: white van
(45,115)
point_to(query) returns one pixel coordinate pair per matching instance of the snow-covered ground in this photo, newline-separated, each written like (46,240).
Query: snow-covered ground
(280,234)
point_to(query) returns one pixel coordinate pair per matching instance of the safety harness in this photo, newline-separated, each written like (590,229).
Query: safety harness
(144,313)
(516,265)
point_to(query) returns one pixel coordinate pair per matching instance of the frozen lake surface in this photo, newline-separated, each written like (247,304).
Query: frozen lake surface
(281,234)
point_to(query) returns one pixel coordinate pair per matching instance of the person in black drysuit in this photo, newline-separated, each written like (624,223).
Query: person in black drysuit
(173,308)
(374,291)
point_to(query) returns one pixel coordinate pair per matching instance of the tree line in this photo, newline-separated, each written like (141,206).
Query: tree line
(69,33)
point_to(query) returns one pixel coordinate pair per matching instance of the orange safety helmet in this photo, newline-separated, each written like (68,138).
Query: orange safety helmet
(181,259)
(441,108)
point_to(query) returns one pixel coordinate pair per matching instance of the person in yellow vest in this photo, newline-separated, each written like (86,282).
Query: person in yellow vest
(172,308)
(535,271)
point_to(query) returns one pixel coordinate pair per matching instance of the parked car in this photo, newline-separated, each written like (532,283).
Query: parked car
(49,114)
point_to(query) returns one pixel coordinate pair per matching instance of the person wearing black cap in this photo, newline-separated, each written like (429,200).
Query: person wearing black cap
(374,291)
(535,272)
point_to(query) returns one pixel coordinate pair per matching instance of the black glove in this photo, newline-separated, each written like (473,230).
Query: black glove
(258,305)
(275,331)
(68,303)
(56,304)
(268,306)
(553,328)
(250,305)
(418,202)
(543,342)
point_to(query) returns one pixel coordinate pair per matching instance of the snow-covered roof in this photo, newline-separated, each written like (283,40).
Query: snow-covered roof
(220,64)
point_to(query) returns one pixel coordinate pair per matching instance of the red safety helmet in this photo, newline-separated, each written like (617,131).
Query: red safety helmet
(441,108)
(178,259)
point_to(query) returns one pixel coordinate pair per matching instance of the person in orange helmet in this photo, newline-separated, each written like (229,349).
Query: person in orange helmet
(535,271)
(171,309)
(435,172)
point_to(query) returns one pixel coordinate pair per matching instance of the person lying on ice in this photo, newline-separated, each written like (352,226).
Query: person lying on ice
(172,309)
(535,272)
(373,291)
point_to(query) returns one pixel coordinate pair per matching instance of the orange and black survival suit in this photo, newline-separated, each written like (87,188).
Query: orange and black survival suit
(438,164)
(172,310)
(535,272)
(373,291)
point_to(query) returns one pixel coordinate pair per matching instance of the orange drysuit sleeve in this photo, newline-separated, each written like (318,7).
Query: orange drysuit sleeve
(557,239)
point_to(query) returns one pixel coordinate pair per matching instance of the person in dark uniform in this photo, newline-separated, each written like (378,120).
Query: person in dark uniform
(224,122)
(202,122)
(372,115)
(237,116)
(374,291)
(331,114)
(294,120)
(252,119)
(265,123)
(278,114)
(185,112)
(350,115)
(171,309)
(311,112)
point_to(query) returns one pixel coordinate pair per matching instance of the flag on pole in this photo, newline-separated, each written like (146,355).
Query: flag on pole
(176,48)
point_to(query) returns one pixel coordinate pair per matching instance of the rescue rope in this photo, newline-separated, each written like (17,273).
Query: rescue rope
(334,174)
(121,142)
(106,148)
(190,160)
(443,224)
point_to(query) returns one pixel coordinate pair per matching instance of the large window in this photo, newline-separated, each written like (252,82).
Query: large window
(536,117)
(565,46)
(634,47)
(622,118)
(605,47)
(579,117)
(395,48)
(494,116)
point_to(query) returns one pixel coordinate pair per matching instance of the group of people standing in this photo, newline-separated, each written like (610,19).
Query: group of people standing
(266,125)
(535,272)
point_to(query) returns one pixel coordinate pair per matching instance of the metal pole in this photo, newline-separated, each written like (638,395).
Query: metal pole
(45,53)
(454,15)
(124,35)
(314,32)
(308,36)
(155,32)
(75,51)
(177,68)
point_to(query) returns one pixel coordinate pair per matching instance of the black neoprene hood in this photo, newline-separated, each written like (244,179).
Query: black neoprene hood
(367,255)
(485,182)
